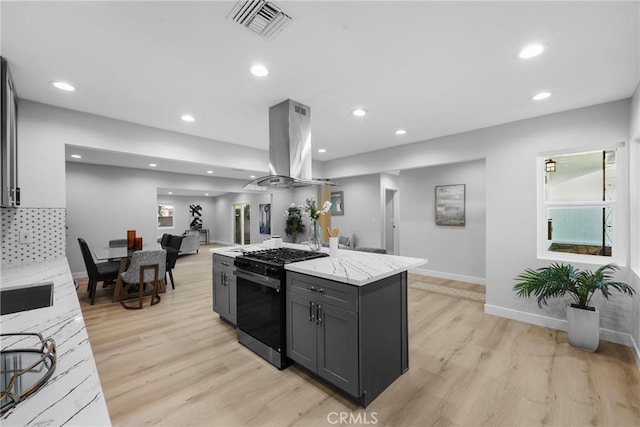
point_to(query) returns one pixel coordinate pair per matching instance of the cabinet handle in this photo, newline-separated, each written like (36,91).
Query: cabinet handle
(226,264)
(311,311)
(312,288)
(318,314)
(321,290)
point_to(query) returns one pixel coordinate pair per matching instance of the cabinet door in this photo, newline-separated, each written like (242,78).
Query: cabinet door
(232,312)
(220,292)
(338,347)
(301,330)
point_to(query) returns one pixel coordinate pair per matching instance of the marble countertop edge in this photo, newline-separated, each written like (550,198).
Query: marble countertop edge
(356,268)
(73,395)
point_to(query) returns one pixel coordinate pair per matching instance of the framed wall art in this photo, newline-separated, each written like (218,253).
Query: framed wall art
(450,205)
(265,218)
(337,203)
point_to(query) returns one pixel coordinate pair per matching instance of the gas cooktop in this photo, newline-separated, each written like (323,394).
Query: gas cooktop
(283,255)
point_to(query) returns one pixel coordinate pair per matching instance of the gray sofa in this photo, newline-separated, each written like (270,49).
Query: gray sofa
(190,243)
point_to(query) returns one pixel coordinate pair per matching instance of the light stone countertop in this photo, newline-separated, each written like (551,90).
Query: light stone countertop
(352,267)
(73,395)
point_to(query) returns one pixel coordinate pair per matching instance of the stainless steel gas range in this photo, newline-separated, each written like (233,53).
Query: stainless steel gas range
(261,300)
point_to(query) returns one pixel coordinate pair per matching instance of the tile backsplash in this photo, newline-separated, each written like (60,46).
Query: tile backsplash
(47,228)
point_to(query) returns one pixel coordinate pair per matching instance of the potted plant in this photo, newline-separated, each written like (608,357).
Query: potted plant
(293,222)
(557,280)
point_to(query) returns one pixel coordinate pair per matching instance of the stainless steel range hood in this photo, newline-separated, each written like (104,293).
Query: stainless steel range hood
(289,148)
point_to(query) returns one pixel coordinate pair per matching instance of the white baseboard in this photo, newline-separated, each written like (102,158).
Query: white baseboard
(79,275)
(636,351)
(561,325)
(219,242)
(449,276)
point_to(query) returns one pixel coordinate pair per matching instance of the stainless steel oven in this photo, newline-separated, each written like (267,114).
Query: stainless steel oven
(261,316)
(261,301)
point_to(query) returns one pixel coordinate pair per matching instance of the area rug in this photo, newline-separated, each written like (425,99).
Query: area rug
(448,291)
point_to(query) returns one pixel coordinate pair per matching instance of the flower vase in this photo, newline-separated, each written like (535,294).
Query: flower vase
(314,235)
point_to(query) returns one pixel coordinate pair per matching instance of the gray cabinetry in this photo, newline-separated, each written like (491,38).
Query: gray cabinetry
(353,337)
(9,189)
(224,288)
(338,347)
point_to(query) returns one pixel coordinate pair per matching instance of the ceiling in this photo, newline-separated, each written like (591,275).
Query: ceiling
(432,68)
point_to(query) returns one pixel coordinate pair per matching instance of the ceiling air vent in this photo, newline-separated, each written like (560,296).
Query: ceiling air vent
(262,17)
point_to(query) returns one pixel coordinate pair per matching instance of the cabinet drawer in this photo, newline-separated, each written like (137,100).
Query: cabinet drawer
(222,262)
(323,290)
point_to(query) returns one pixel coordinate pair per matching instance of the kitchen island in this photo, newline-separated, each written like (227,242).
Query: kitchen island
(73,395)
(346,317)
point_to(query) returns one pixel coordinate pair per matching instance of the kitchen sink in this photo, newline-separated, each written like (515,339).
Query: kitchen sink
(37,295)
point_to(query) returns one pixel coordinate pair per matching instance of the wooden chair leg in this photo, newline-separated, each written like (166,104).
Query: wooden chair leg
(155,298)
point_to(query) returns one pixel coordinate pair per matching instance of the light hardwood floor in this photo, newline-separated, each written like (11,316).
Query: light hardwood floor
(177,364)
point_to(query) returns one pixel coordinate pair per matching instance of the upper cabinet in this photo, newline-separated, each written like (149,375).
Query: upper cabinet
(9,140)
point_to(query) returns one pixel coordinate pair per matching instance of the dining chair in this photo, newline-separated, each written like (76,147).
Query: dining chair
(146,267)
(173,250)
(164,241)
(97,272)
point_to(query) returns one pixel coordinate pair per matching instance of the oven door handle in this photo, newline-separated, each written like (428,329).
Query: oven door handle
(259,279)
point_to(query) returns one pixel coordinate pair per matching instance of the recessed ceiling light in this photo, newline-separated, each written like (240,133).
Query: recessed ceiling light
(401,131)
(531,51)
(64,86)
(359,112)
(76,156)
(206,194)
(252,176)
(322,150)
(153,165)
(188,118)
(540,96)
(259,70)
(209,171)
(170,192)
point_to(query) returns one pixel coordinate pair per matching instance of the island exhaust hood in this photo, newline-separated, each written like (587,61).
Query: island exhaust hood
(289,148)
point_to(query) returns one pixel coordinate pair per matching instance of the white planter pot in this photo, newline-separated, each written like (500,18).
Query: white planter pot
(584,328)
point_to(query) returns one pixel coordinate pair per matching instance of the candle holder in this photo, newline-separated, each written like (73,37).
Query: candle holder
(131,239)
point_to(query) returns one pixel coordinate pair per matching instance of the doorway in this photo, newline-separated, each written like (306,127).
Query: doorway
(242,223)
(391,234)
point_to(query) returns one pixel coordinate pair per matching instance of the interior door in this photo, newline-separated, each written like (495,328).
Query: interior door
(242,223)
(390,208)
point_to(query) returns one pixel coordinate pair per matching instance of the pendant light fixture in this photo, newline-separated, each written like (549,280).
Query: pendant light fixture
(550,165)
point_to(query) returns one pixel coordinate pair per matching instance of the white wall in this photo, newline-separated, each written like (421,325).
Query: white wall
(224,216)
(44,131)
(453,252)
(103,202)
(634,209)
(510,152)
(181,212)
(362,210)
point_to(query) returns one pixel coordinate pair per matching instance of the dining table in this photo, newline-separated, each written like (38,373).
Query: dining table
(122,253)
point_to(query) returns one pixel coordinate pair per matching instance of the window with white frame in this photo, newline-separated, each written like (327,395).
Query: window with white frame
(165,216)
(580,192)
